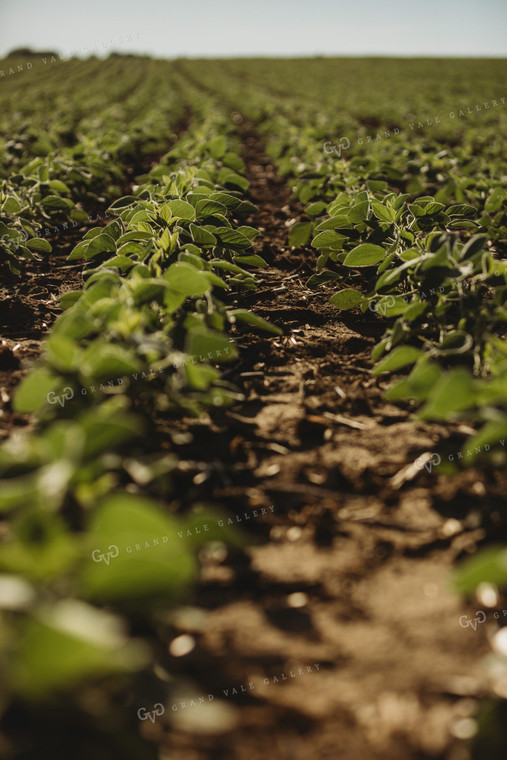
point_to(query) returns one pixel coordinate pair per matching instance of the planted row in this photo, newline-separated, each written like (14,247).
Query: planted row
(148,332)
(67,155)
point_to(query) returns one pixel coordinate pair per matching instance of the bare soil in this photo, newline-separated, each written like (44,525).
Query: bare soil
(28,308)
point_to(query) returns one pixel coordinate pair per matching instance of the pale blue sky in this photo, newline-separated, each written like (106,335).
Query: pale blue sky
(258,27)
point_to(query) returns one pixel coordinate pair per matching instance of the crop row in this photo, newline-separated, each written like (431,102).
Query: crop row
(407,218)
(61,156)
(139,346)
(432,262)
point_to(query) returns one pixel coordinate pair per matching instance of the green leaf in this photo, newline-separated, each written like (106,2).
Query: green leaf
(252,319)
(62,353)
(71,643)
(102,243)
(131,247)
(124,202)
(55,201)
(232,238)
(229,201)
(39,546)
(347,299)
(418,385)
(333,223)
(207,207)
(321,278)
(201,341)
(391,306)
(439,259)
(461,209)
(384,213)
(182,209)
(11,205)
(489,435)
(217,146)
(415,310)
(78,215)
(186,279)
(100,288)
(58,186)
(191,257)
(148,290)
(488,566)
(314,209)
(454,392)
(495,200)
(233,161)
(39,244)
(379,349)
(34,390)
(69,298)
(75,323)
(148,559)
(249,232)
(358,212)
(107,428)
(429,208)
(104,362)
(227,266)
(365,255)
(397,359)
(200,236)
(173,300)
(216,280)
(455,342)
(123,263)
(253,260)
(231,178)
(201,376)
(476,244)
(15,493)
(79,251)
(134,235)
(328,239)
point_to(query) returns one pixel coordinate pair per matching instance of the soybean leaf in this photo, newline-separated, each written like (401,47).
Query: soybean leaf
(364,255)
(182,209)
(397,359)
(217,146)
(39,244)
(346,299)
(252,260)
(488,566)
(186,279)
(328,239)
(252,319)
(454,392)
(34,390)
(232,238)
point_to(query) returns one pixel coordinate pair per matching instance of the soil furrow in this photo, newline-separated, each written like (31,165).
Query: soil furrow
(350,572)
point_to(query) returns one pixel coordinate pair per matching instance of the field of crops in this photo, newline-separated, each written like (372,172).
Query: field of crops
(253,409)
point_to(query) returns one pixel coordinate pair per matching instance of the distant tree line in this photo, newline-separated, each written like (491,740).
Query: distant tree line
(28,52)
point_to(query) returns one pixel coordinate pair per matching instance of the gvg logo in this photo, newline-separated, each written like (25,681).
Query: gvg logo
(144,714)
(428,461)
(66,395)
(344,144)
(381,307)
(106,557)
(480,617)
